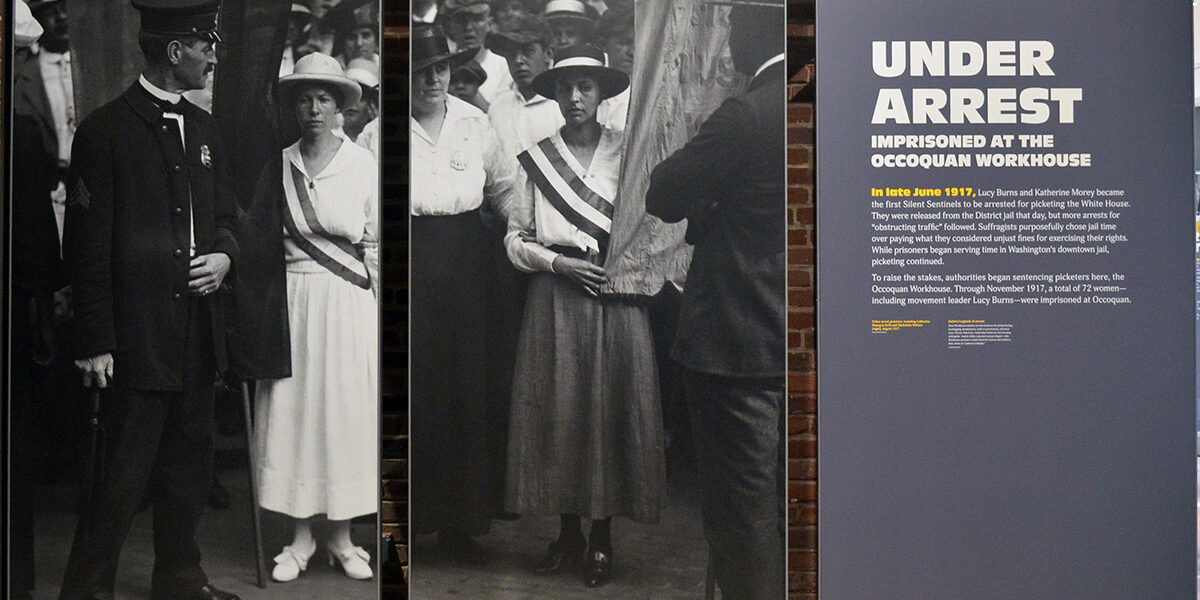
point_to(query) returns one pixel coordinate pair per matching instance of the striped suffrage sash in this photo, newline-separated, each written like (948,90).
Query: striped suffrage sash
(330,251)
(587,210)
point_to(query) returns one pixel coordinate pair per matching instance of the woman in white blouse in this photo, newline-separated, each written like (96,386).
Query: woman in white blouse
(585,436)
(458,171)
(315,430)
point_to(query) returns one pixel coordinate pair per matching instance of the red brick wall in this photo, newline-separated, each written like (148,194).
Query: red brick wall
(802,377)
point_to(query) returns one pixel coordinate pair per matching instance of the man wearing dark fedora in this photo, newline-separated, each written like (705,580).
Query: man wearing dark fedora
(728,181)
(148,242)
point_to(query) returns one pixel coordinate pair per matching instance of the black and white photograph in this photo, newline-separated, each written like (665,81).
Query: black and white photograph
(597,299)
(194,232)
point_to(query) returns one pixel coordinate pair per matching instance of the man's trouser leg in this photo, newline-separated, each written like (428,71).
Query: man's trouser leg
(738,424)
(183,471)
(155,437)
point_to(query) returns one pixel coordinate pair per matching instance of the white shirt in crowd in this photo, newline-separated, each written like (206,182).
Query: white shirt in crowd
(369,138)
(56,79)
(462,168)
(521,122)
(612,112)
(498,77)
(430,15)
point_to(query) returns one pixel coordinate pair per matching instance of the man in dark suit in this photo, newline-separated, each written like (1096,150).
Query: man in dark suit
(43,90)
(147,244)
(36,274)
(30,97)
(728,181)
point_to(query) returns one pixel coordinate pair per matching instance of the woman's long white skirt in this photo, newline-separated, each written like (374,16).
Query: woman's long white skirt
(316,432)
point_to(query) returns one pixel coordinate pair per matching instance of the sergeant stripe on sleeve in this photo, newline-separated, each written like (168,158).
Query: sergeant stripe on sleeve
(80,196)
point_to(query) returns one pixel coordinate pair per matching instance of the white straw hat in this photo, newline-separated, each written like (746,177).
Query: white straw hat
(26,29)
(321,68)
(365,71)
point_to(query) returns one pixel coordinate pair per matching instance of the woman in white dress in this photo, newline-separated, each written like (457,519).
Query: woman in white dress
(316,431)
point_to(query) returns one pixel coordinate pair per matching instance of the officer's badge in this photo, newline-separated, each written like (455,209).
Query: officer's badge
(458,161)
(80,196)
(205,156)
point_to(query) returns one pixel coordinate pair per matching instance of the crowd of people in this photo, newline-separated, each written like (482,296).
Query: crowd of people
(535,387)
(135,261)
(538,389)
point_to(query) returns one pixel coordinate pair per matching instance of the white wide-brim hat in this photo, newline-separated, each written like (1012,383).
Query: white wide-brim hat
(320,68)
(26,29)
(363,70)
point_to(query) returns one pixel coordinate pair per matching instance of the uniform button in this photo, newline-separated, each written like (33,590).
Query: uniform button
(178,168)
(178,210)
(177,295)
(178,252)
(164,129)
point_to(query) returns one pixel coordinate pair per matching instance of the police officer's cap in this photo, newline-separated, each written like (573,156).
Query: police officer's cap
(180,17)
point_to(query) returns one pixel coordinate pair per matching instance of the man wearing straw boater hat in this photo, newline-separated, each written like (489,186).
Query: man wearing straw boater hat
(148,242)
(728,181)
(570,21)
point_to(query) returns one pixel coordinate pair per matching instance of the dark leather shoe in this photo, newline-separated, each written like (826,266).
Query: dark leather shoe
(562,555)
(209,592)
(599,567)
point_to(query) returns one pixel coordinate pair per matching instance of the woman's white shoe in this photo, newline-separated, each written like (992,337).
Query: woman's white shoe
(355,561)
(290,562)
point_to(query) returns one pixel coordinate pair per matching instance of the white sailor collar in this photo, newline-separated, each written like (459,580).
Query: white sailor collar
(341,161)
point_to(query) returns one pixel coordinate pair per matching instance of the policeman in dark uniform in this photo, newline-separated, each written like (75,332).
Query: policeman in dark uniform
(148,241)
(728,181)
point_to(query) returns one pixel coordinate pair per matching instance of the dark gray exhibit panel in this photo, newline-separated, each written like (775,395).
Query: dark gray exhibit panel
(1006,307)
